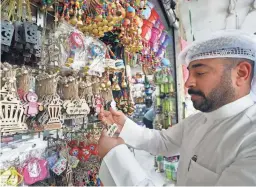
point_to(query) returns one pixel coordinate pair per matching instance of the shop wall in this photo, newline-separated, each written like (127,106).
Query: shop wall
(217,15)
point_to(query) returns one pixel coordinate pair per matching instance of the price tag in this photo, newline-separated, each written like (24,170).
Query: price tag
(112,130)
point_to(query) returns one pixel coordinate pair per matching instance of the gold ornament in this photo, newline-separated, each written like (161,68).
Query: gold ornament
(95,31)
(73,21)
(94,26)
(109,18)
(99,18)
(108,83)
(124,84)
(103,85)
(105,22)
(117,87)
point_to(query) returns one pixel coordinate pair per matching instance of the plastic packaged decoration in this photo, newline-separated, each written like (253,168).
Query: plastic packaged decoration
(10,177)
(96,53)
(35,170)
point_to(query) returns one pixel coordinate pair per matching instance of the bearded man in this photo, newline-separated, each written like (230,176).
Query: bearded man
(218,145)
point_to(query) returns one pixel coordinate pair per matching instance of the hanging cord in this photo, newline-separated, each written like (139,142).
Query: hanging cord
(28,11)
(253,8)
(3,5)
(55,15)
(4,9)
(19,14)
(11,9)
(232,11)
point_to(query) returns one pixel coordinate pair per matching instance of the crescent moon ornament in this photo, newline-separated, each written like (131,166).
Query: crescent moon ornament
(4,34)
(29,33)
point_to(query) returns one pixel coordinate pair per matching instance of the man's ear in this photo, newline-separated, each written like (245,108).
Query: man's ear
(243,71)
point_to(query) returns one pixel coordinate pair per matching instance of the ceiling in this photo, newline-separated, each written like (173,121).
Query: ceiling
(208,16)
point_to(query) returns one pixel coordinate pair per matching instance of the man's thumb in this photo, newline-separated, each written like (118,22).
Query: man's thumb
(114,112)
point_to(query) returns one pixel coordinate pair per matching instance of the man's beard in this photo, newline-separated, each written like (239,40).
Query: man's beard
(221,95)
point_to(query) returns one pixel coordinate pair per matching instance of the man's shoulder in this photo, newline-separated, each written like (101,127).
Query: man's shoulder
(194,117)
(251,113)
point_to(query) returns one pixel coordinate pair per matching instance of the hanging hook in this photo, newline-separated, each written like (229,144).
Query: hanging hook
(232,6)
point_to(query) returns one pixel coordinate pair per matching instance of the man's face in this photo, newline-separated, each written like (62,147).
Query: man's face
(210,84)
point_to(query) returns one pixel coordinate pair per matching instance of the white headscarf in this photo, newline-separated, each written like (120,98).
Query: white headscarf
(223,44)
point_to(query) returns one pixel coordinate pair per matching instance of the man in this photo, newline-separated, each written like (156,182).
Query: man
(149,116)
(216,146)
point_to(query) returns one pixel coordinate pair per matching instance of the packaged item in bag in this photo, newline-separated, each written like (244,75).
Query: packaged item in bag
(35,170)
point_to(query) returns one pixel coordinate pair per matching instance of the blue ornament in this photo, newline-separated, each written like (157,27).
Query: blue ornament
(130,9)
(146,13)
(165,62)
(96,50)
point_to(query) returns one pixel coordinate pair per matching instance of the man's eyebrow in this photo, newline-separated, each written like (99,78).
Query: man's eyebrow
(196,66)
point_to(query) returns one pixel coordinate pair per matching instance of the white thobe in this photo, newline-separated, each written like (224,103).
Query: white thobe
(224,142)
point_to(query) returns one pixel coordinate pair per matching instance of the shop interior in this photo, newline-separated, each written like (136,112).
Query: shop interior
(63,61)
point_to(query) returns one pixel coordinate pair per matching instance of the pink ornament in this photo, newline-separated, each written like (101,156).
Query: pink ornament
(155,47)
(154,35)
(32,106)
(76,40)
(98,103)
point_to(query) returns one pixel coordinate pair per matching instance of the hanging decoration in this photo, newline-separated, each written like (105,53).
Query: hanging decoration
(12,112)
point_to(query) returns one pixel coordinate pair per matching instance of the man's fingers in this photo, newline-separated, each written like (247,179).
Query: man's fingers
(102,110)
(104,133)
(101,116)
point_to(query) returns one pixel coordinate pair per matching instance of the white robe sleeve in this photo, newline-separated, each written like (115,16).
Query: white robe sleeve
(165,142)
(120,168)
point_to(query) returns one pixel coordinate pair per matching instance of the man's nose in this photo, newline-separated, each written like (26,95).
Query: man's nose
(190,83)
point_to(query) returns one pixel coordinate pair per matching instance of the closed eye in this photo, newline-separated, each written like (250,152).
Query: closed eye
(200,74)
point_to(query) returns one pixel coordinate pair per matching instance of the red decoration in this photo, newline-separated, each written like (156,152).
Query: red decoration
(84,154)
(153,16)
(146,30)
(74,151)
(93,149)
(72,143)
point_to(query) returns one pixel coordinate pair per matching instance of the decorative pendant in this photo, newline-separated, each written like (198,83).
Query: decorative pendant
(54,112)
(12,112)
(32,107)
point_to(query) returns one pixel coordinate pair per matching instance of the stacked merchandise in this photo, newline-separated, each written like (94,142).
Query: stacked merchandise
(142,92)
(165,103)
(138,93)
(165,118)
(168,166)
